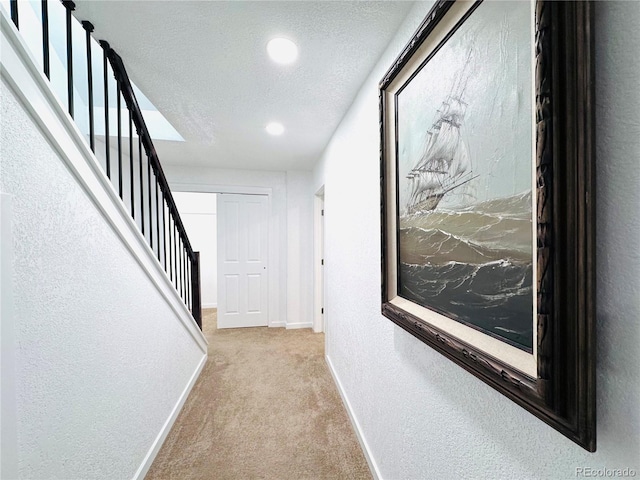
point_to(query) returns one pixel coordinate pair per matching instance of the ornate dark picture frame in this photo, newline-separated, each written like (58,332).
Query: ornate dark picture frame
(560,388)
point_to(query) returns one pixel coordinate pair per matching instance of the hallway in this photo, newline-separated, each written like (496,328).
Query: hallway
(265,406)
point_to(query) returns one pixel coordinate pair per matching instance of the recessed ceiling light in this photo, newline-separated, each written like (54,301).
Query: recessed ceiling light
(274,128)
(282,50)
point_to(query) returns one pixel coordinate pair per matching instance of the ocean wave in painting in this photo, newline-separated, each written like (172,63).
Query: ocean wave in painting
(490,231)
(474,265)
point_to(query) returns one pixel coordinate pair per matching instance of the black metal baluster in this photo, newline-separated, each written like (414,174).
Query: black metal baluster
(192,289)
(170,248)
(141,183)
(179,282)
(14,13)
(118,106)
(187,277)
(149,191)
(182,270)
(105,46)
(89,28)
(70,6)
(133,202)
(196,299)
(157,220)
(180,264)
(175,256)
(164,232)
(178,269)
(45,38)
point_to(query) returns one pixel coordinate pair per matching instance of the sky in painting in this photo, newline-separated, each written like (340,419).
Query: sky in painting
(492,51)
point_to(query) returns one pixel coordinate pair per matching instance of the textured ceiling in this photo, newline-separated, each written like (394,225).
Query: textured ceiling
(204,65)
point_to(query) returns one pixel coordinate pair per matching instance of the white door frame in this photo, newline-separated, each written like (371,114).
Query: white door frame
(274,290)
(318,262)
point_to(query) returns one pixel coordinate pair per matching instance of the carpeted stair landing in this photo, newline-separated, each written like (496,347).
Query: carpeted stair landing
(264,407)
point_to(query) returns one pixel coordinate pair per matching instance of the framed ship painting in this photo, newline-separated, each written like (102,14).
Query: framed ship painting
(488,200)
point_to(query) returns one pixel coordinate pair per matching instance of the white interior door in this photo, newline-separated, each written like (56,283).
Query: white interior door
(242,260)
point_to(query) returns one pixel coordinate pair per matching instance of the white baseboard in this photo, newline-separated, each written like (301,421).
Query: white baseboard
(277,325)
(166,428)
(375,472)
(291,326)
(209,305)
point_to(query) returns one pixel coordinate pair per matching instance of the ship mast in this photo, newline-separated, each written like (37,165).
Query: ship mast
(445,159)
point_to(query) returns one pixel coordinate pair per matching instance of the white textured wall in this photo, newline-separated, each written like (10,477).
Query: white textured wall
(424,417)
(299,250)
(198,213)
(101,357)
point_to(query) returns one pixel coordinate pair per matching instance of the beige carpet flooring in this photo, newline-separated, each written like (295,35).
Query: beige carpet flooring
(264,407)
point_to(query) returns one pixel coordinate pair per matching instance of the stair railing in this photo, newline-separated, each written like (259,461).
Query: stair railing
(148,199)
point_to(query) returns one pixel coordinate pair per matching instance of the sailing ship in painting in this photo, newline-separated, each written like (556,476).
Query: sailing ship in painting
(470,260)
(445,164)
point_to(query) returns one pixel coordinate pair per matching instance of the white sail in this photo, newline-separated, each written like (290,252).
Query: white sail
(461,161)
(445,158)
(445,163)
